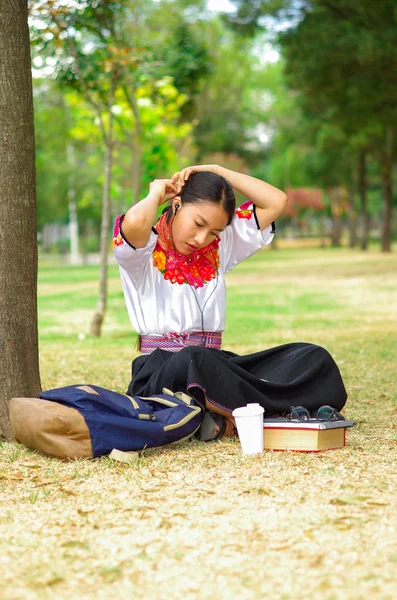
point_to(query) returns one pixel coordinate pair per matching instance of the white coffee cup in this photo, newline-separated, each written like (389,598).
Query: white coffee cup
(249,423)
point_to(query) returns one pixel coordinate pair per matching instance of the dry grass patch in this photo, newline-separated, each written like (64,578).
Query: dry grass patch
(200,520)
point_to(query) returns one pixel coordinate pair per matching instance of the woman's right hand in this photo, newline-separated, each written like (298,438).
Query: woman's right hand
(164,189)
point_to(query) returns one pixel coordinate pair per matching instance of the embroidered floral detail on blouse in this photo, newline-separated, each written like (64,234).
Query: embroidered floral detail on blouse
(245,211)
(117,240)
(196,270)
(244,214)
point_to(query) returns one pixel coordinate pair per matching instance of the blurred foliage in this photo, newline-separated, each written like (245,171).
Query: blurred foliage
(190,84)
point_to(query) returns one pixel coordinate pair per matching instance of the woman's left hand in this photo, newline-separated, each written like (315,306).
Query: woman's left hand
(182,176)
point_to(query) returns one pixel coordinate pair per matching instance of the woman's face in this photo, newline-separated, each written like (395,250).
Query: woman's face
(197,225)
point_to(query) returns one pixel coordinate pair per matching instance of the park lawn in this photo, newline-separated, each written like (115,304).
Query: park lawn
(200,520)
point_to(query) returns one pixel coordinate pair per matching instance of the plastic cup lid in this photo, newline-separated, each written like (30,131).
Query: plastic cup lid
(250,410)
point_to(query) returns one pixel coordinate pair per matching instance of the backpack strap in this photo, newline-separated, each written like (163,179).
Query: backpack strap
(130,458)
(180,395)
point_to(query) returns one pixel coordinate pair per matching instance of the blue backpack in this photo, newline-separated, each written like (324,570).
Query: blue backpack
(87,421)
(129,422)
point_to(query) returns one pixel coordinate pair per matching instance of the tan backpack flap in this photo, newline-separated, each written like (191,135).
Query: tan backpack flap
(50,427)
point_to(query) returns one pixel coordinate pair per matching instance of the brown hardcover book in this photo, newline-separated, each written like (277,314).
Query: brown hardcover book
(305,436)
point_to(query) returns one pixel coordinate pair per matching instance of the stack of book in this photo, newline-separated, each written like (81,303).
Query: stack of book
(304,436)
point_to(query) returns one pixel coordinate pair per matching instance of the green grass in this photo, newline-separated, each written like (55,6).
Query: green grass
(200,520)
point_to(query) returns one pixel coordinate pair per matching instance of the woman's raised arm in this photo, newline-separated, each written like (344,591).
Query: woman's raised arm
(270,202)
(139,219)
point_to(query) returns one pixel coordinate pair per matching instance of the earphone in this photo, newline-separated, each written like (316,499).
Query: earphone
(176,208)
(205,304)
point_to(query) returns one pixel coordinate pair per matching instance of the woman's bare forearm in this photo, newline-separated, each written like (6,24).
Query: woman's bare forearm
(268,199)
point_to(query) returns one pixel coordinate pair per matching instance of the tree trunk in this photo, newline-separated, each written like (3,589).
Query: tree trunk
(362,184)
(97,320)
(136,144)
(136,167)
(73,222)
(19,364)
(352,213)
(335,195)
(387,184)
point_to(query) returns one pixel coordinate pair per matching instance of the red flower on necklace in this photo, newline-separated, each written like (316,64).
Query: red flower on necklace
(195,270)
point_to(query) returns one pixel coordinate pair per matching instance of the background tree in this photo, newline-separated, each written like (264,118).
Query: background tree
(101,52)
(333,57)
(84,65)
(19,365)
(201,87)
(334,51)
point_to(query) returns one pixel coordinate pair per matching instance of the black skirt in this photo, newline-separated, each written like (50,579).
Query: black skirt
(297,374)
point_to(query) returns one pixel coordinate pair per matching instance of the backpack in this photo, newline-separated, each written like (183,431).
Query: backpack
(87,421)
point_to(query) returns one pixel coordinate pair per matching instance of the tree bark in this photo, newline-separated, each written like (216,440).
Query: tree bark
(96,323)
(362,185)
(19,364)
(387,185)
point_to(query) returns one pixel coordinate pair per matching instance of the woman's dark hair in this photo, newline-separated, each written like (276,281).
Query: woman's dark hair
(206,186)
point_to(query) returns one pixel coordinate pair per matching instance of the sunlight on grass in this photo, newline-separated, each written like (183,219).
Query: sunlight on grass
(201,520)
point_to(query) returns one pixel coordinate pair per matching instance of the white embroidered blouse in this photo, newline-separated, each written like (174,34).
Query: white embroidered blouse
(156,305)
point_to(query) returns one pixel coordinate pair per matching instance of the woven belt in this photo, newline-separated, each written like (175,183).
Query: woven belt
(173,342)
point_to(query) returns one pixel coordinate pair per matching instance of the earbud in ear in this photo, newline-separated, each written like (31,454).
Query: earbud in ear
(176,208)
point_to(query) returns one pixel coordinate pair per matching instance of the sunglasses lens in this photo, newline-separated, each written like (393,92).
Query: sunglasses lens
(326,413)
(300,413)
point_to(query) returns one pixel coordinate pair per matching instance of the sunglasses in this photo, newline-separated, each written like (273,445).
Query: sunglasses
(324,413)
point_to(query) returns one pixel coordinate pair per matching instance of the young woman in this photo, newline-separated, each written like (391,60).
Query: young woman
(173,276)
